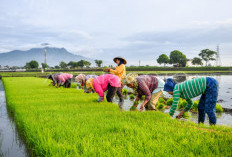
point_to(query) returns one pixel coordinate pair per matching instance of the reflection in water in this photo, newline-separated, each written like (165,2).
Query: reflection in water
(11,145)
(224,97)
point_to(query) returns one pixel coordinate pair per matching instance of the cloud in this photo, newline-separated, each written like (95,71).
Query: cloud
(107,28)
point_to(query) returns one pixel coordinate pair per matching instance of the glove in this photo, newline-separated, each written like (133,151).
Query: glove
(100,99)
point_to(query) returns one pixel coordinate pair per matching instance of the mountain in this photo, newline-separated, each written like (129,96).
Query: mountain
(54,57)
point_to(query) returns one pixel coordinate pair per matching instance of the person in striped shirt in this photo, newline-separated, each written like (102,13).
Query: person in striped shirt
(207,87)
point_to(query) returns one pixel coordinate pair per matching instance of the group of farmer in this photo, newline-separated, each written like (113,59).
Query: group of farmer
(151,86)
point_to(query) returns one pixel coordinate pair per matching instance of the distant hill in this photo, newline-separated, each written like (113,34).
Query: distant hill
(54,57)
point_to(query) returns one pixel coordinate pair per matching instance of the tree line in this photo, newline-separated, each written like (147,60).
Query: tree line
(63,65)
(178,59)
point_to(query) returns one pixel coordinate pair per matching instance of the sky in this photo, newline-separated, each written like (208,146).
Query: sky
(135,29)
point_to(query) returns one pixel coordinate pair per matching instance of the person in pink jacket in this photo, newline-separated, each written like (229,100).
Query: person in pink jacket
(61,79)
(103,83)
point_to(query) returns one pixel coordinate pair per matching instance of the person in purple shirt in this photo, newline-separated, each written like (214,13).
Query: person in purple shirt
(148,85)
(81,78)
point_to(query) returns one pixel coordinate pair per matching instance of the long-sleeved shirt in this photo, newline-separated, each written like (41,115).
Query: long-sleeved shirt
(187,90)
(61,78)
(160,86)
(100,83)
(146,85)
(120,71)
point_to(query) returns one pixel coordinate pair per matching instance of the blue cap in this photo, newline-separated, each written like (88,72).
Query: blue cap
(169,85)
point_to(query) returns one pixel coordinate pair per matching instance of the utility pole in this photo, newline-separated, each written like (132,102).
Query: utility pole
(218,59)
(139,63)
(45,51)
(45,56)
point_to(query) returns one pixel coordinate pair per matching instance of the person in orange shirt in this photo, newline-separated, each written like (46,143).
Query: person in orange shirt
(119,71)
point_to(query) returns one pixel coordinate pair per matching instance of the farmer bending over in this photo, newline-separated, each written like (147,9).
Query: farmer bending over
(82,79)
(119,71)
(103,83)
(207,87)
(148,85)
(63,79)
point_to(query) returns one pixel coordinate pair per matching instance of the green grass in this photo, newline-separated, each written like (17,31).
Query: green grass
(67,122)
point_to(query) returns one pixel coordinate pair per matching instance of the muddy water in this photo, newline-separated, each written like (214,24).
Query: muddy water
(224,97)
(10,143)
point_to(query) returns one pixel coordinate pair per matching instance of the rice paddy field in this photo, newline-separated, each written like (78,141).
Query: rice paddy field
(45,74)
(67,122)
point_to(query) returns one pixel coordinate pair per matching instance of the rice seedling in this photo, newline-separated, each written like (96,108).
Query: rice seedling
(134,107)
(219,108)
(73,85)
(161,100)
(132,96)
(195,106)
(169,101)
(186,115)
(182,104)
(124,91)
(67,122)
(143,97)
(160,106)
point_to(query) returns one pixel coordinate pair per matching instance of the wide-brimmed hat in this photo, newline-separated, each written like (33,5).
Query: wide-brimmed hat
(89,83)
(124,60)
(80,78)
(130,78)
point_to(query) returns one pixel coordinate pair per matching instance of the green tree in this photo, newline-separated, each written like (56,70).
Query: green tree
(197,61)
(177,57)
(98,63)
(44,65)
(87,63)
(207,55)
(163,59)
(72,64)
(81,63)
(32,65)
(57,67)
(63,65)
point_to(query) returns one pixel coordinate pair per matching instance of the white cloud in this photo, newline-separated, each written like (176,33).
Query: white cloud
(99,28)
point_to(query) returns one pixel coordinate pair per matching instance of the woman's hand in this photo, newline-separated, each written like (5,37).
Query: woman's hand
(180,115)
(142,107)
(100,99)
(107,70)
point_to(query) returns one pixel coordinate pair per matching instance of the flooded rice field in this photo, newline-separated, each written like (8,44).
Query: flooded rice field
(10,141)
(224,97)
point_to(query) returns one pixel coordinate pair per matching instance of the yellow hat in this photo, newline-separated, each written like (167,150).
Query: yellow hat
(130,78)
(89,83)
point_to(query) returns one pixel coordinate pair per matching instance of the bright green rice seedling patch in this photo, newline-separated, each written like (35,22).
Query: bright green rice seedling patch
(125,91)
(67,122)
(73,85)
(182,104)
(161,100)
(169,101)
(143,97)
(132,96)
(219,108)
(186,115)
(160,106)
